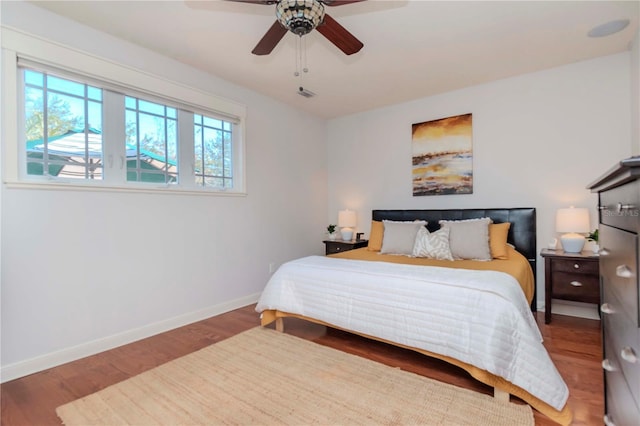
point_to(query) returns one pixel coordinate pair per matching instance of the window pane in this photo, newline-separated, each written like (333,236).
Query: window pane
(228,155)
(172,142)
(65,86)
(211,122)
(213,152)
(94,93)
(33,78)
(129,102)
(34,113)
(95,115)
(151,107)
(151,142)
(63,128)
(66,114)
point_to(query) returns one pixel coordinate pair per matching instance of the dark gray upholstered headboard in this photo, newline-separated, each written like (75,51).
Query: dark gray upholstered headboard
(522,232)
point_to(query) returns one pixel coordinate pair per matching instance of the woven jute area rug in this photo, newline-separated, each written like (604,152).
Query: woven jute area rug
(263,377)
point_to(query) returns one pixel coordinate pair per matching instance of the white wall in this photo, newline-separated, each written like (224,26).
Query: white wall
(84,271)
(538,141)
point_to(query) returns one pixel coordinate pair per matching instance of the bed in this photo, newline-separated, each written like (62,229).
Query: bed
(437,307)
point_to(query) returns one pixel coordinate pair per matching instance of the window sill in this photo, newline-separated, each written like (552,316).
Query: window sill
(152,189)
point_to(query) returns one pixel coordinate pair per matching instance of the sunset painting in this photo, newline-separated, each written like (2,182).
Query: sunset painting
(442,156)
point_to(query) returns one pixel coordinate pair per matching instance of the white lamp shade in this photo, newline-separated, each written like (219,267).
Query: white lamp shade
(346,221)
(346,218)
(572,220)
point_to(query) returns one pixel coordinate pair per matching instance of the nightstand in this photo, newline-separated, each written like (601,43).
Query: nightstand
(332,247)
(570,276)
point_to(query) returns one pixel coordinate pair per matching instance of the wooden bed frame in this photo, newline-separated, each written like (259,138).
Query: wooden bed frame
(522,235)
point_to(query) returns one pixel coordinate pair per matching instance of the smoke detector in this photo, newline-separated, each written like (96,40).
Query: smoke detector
(306,93)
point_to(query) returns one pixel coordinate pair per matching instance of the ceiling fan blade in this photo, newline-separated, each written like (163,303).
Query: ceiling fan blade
(339,2)
(256,1)
(270,39)
(339,36)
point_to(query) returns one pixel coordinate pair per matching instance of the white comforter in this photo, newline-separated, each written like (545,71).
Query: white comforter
(478,317)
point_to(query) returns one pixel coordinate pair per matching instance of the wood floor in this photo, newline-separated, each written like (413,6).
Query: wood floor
(573,343)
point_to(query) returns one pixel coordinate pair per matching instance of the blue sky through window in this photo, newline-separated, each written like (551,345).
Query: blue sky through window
(70,92)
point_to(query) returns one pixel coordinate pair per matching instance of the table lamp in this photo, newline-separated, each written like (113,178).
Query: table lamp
(572,221)
(346,221)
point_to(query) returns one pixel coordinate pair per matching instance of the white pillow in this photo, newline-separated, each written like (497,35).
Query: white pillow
(399,237)
(469,239)
(434,245)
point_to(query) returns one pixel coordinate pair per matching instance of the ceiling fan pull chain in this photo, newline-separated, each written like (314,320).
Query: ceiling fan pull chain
(297,56)
(304,53)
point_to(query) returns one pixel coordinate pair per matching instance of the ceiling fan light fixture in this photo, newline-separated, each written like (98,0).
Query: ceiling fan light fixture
(300,16)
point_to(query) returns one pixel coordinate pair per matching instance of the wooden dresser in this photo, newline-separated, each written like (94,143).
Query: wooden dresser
(619,205)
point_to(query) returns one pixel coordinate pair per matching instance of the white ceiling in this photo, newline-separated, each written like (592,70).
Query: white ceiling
(412,49)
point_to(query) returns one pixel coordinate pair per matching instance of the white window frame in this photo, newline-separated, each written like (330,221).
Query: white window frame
(18,46)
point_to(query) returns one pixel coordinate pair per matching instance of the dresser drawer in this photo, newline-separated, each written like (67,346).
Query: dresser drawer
(577,266)
(620,408)
(578,287)
(619,268)
(621,346)
(620,207)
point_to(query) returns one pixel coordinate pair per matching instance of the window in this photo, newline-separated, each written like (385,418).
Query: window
(64,136)
(63,122)
(96,124)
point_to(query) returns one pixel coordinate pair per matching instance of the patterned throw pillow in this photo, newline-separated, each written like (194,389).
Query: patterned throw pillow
(433,245)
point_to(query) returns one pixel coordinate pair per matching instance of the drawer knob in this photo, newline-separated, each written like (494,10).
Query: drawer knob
(608,421)
(623,271)
(606,308)
(607,365)
(576,266)
(628,355)
(576,283)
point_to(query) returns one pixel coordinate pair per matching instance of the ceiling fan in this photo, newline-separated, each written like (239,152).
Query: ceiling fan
(301,17)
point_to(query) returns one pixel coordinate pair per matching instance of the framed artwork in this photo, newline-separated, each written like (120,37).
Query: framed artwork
(442,155)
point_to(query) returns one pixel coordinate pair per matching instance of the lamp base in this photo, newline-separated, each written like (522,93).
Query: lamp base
(347,234)
(572,243)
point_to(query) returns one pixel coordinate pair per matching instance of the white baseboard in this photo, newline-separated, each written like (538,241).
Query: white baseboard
(53,359)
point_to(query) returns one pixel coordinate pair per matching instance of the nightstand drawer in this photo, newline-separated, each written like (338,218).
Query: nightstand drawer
(575,266)
(578,287)
(336,248)
(333,247)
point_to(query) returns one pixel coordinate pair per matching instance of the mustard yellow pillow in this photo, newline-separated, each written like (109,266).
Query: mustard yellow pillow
(498,240)
(376,235)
